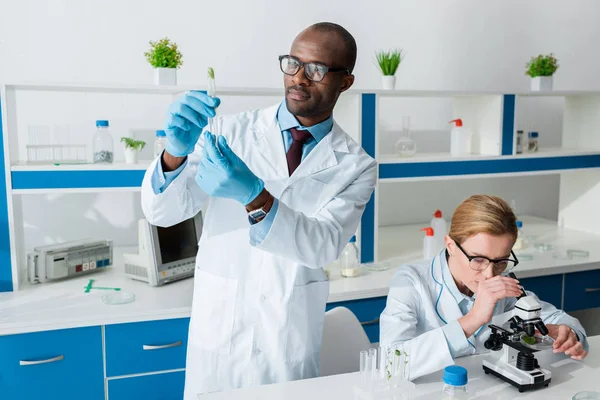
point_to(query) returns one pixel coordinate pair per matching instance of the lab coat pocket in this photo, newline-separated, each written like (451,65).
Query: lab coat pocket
(305,324)
(213,312)
(307,195)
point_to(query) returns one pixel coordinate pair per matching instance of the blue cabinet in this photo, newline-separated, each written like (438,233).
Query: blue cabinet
(60,364)
(582,290)
(547,288)
(367,311)
(167,386)
(140,347)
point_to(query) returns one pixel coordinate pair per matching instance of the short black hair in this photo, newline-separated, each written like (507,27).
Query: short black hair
(347,38)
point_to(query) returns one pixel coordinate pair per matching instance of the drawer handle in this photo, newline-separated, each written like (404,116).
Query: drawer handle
(25,363)
(164,346)
(590,290)
(372,322)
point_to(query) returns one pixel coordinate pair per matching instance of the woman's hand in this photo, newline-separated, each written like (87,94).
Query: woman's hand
(565,340)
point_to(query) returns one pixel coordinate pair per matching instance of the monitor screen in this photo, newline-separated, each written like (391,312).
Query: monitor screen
(178,242)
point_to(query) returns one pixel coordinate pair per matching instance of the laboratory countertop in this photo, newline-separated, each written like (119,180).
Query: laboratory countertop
(63,304)
(568,378)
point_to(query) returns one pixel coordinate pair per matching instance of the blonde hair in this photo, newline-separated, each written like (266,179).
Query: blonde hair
(482,214)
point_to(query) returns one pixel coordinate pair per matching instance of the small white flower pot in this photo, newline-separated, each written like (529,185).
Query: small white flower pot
(131,156)
(165,76)
(541,84)
(388,82)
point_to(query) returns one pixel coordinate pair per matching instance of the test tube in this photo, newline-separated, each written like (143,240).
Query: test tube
(382,360)
(363,365)
(373,357)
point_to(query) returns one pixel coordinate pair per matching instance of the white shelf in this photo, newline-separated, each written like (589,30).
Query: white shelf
(141,89)
(405,243)
(117,166)
(446,157)
(261,91)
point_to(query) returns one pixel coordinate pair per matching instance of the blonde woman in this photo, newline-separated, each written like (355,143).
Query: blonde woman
(439,309)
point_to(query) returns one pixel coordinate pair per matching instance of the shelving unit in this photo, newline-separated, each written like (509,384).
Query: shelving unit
(492,115)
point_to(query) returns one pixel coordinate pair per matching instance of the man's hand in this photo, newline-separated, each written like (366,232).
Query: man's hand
(221,173)
(489,292)
(565,340)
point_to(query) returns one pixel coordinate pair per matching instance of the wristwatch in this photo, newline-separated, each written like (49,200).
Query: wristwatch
(257,215)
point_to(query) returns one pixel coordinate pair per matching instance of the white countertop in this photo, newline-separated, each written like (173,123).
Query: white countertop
(568,378)
(63,304)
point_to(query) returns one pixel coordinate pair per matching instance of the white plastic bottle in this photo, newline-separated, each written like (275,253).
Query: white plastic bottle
(349,263)
(439,229)
(160,142)
(460,139)
(455,383)
(429,244)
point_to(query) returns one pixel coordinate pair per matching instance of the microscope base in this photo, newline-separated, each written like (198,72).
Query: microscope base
(522,380)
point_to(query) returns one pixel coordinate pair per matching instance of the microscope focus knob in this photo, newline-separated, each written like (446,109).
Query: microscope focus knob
(493,344)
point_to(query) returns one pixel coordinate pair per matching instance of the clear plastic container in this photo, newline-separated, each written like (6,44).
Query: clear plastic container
(520,242)
(533,144)
(587,396)
(455,383)
(349,263)
(160,143)
(102,143)
(520,141)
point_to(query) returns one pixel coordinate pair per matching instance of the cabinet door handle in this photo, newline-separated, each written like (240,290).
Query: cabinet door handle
(590,290)
(163,346)
(49,360)
(372,322)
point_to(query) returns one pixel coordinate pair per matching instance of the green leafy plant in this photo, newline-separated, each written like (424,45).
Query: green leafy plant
(164,54)
(133,144)
(389,61)
(542,66)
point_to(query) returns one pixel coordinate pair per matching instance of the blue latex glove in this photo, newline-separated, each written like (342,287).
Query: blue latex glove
(187,116)
(221,173)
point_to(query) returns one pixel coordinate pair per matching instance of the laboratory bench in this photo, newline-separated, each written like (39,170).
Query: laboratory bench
(51,332)
(568,378)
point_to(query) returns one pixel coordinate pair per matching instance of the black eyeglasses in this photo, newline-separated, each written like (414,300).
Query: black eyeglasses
(480,263)
(314,71)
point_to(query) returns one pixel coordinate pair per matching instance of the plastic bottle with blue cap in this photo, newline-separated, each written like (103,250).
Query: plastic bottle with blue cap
(519,242)
(160,142)
(350,264)
(102,143)
(455,383)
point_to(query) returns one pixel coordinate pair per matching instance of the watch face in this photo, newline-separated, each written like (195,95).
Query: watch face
(256,214)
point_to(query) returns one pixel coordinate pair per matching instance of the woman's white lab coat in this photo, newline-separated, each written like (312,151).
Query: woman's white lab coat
(258,310)
(421,311)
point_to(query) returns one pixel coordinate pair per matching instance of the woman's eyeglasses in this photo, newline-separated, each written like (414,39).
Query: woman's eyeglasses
(480,263)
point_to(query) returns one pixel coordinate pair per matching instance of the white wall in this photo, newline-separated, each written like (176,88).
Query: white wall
(459,45)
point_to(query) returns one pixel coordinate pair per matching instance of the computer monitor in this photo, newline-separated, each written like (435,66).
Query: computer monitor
(165,254)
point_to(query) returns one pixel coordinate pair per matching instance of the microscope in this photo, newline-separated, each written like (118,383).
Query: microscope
(516,363)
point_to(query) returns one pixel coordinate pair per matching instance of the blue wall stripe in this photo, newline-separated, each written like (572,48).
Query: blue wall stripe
(5,261)
(497,166)
(508,124)
(76,179)
(368,223)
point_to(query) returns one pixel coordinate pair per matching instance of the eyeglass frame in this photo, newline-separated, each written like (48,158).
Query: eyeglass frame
(302,64)
(490,261)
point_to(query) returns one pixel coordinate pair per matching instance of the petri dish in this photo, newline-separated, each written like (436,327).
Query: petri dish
(587,396)
(543,246)
(116,298)
(525,257)
(541,342)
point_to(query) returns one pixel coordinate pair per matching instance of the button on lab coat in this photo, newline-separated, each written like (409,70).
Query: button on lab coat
(258,311)
(422,313)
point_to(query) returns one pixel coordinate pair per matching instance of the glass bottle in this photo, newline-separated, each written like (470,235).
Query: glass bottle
(160,142)
(349,263)
(102,143)
(405,146)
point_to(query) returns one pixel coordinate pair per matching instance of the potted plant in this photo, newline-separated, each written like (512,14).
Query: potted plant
(132,147)
(388,62)
(166,58)
(541,69)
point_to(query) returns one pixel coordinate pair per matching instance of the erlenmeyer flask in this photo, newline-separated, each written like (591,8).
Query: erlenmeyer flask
(405,146)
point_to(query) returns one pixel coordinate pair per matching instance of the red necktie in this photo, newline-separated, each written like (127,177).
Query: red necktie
(294,154)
